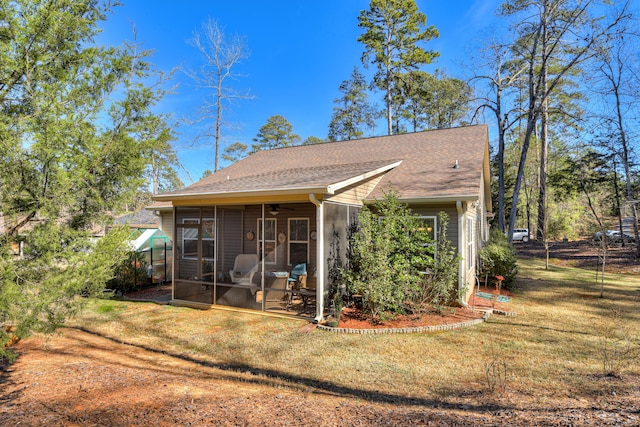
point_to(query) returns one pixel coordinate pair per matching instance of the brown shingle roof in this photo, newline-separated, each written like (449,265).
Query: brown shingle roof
(426,171)
(300,177)
(140,219)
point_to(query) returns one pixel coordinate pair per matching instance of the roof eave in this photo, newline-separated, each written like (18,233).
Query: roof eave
(159,208)
(244,193)
(433,199)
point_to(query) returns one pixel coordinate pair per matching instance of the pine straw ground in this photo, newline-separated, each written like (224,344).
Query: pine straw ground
(125,363)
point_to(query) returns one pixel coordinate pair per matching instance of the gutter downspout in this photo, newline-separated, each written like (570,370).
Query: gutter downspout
(461,234)
(319,257)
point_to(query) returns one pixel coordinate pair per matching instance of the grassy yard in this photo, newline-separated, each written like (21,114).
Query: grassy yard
(553,348)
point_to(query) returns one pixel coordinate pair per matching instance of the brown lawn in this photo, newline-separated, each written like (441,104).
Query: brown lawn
(125,364)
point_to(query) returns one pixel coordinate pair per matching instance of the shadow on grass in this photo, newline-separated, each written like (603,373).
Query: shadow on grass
(567,283)
(547,328)
(271,377)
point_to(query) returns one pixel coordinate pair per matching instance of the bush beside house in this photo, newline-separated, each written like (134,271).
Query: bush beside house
(392,264)
(498,258)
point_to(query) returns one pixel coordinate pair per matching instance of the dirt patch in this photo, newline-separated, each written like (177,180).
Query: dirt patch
(583,254)
(78,378)
(152,293)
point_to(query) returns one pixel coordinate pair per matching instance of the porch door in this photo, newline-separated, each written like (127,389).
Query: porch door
(198,242)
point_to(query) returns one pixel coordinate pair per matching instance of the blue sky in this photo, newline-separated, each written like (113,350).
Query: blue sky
(300,52)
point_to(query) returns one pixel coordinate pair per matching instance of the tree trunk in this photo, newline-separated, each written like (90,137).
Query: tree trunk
(389,100)
(546,253)
(542,190)
(544,138)
(218,119)
(389,108)
(627,171)
(523,157)
(500,159)
(617,196)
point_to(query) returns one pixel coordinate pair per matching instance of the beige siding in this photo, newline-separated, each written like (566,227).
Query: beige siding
(166,223)
(480,233)
(356,193)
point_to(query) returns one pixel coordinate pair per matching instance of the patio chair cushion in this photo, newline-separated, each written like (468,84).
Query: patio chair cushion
(297,270)
(244,267)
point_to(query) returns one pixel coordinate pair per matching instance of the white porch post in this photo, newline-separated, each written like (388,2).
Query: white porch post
(320,262)
(174,254)
(264,296)
(461,246)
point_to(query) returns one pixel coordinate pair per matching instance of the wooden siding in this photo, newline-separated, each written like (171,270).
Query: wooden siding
(286,211)
(356,193)
(229,243)
(434,210)
(166,223)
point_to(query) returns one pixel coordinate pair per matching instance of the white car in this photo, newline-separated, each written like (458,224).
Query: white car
(521,234)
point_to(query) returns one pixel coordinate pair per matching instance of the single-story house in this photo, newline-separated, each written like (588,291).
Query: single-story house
(239,233)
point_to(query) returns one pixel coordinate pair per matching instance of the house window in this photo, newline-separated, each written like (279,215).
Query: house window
(430,225)
(470,254)
(190,238)
(298,240)
(269,240)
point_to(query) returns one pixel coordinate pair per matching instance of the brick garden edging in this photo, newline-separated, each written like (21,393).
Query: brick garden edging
(414,330)
(505,313)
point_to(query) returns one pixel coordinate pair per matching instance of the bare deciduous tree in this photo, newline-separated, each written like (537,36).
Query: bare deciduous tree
(620,85)
(501,77)
(220,55)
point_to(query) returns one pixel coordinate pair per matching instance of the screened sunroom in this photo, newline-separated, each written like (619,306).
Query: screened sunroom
(256,256)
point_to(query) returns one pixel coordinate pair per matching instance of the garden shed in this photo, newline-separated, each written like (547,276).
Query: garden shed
(153,257)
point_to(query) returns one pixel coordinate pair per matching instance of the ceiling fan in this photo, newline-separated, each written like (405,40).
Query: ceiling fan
(274,209)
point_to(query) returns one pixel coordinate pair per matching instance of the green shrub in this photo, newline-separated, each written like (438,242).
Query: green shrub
(498,258)
(438,288)
(388,254)
(40,290)
(130,274)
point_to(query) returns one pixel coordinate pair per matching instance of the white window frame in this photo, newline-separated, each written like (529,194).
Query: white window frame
(194,223)
(297,241)
(435,227)
(274,240)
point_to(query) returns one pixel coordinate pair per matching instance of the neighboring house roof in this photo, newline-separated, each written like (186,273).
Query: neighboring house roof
(140,219)
(419,165)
